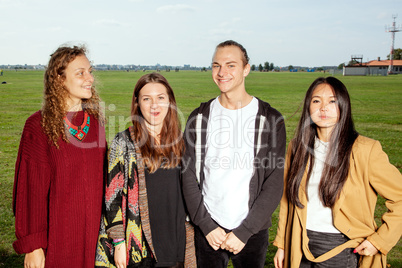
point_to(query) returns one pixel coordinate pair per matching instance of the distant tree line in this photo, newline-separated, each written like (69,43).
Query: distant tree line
(266,68)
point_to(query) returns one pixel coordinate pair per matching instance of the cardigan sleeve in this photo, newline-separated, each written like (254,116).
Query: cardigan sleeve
(114,192)
(284,207)
(387,182)
(31,188)
(191,189)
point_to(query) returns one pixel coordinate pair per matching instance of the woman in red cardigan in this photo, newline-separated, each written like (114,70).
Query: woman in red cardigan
(58,185)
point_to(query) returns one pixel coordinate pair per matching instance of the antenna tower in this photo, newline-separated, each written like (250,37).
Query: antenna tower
(392,29)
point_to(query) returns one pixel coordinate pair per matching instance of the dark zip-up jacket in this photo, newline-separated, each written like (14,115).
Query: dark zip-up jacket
(266,184)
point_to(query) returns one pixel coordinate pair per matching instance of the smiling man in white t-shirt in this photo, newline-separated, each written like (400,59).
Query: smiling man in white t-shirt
(234,160)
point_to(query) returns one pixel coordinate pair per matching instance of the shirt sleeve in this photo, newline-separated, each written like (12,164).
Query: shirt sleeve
(387,182)
(191,189)
(114,192)
(31,189)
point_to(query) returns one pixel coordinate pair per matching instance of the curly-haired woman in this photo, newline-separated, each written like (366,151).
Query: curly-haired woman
(58,183)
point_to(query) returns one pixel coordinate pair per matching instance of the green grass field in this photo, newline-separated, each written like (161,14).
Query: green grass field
(376,104)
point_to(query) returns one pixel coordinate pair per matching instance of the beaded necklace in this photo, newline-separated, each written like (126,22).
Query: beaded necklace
(79,132)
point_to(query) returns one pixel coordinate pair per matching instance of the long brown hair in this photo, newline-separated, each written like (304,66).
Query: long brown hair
(55,94)
(336,167)
(168,152)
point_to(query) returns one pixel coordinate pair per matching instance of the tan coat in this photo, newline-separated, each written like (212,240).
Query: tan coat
(353,213)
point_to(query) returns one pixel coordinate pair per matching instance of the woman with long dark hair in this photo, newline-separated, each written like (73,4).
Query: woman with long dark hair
(144,221)
(332,178)
(59,171)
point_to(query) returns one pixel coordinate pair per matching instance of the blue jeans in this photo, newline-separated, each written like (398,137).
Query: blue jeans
(252,255)
(320,243)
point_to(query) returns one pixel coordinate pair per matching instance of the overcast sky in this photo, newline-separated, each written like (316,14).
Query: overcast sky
(285,32)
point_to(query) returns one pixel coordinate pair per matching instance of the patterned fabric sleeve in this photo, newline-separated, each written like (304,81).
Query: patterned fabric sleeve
(112,221)
(121,215)
(116,190)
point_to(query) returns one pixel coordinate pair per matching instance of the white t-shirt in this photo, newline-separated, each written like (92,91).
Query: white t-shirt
(229,162)
(319,218)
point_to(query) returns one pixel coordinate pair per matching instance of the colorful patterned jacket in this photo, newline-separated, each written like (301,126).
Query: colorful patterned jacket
(126,207)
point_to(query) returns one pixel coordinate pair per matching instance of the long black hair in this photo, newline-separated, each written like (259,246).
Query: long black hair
(341,141)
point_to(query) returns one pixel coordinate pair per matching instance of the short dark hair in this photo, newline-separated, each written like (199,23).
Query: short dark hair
(228,43)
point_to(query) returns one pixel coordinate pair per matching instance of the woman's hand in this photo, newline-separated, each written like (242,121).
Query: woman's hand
(366,249)
(279,257)
(35,259)
(120,255)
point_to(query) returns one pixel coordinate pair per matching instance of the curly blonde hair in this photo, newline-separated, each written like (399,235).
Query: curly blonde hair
(55,94)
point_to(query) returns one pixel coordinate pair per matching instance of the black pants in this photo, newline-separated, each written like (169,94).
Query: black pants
(320,243)
(252,255)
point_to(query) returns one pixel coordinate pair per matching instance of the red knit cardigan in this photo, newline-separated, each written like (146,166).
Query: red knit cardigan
(57,199)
